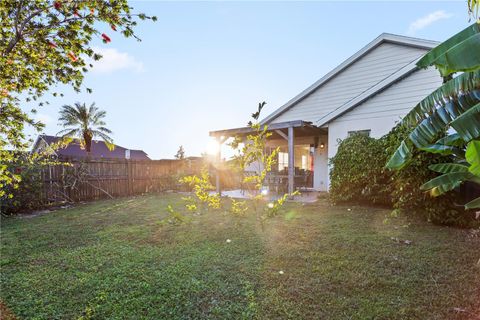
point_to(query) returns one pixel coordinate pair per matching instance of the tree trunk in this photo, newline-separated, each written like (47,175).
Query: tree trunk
(87,139)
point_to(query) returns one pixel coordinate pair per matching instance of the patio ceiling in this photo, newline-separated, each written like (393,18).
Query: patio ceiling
(302,129)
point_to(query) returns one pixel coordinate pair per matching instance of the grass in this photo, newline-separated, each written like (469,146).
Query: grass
(114,260)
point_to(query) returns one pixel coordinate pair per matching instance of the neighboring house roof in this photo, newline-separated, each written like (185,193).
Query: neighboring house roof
(348,105)
(99,150)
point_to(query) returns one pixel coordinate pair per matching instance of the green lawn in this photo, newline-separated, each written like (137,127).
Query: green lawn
(114,260)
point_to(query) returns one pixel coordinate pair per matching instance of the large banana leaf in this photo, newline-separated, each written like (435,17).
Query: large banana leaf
(468,124)
(453,176)
(437,191)
(473,157)
(466,121)
(453,140)
(467,83)
(442,149)
(474,204)
(457,53)
(448,167)
(447,179)
(400,158)
(455,104)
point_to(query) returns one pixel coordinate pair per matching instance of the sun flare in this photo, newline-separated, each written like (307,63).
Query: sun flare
(212,146)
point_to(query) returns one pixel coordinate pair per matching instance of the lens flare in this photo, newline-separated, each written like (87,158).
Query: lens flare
(212,147)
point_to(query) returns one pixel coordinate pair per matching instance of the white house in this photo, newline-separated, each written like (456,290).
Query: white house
(368,93)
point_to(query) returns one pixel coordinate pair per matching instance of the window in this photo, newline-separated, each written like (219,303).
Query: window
(282,160)
(304,162)
(303,158)
(362,132)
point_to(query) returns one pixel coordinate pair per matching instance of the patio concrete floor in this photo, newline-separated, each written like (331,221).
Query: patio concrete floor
(306,196)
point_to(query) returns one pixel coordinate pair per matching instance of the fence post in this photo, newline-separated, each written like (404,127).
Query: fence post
(129,178)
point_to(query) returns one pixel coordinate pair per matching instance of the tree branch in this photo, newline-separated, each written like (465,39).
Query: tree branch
(18,31)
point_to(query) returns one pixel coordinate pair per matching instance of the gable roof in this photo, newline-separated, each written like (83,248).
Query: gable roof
(99,150)
(383,38)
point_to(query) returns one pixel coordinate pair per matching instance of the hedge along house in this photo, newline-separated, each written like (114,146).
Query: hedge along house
(366,94)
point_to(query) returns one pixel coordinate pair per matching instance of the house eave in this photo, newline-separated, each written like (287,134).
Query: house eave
(383,38)
(244,131)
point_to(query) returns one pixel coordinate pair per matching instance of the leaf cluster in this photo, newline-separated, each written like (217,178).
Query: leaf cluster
(447,121)
(45,43)
(359,175)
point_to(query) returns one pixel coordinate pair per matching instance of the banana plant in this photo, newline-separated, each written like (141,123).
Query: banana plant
(448,120)
(455,54)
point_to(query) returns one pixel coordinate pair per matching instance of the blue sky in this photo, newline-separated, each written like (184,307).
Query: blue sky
(205,65)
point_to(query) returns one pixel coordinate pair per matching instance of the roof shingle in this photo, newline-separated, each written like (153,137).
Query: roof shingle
(99,150)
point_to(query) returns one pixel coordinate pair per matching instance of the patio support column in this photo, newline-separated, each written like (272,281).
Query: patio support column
(218,162)
(291,161)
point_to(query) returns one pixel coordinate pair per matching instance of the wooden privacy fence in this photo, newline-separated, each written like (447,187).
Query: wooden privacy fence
(95,179)
(75,180)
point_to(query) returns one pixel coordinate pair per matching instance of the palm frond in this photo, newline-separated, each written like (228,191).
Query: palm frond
(69,132)
(106,138)
(69,116)
(92,109)
(97,116)
(80,121)
(104,130)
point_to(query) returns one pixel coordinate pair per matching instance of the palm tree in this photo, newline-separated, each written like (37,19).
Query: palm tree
(85,124)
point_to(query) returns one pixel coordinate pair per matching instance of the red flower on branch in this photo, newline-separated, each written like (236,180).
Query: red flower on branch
(113,27)
(72,56)
(106,39)
(57,5)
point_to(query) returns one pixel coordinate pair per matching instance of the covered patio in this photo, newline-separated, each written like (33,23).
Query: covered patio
(293,137)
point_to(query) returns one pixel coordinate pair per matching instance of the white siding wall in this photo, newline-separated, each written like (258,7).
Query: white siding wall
(320,166)
(375,66)
(381,112)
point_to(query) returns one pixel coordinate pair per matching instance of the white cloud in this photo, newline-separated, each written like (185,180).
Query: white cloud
(43,118)
(427,20)
(114,60)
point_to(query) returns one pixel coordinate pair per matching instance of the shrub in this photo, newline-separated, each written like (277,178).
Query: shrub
(405,185)
(359,175)
(27,193)
(358,172)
